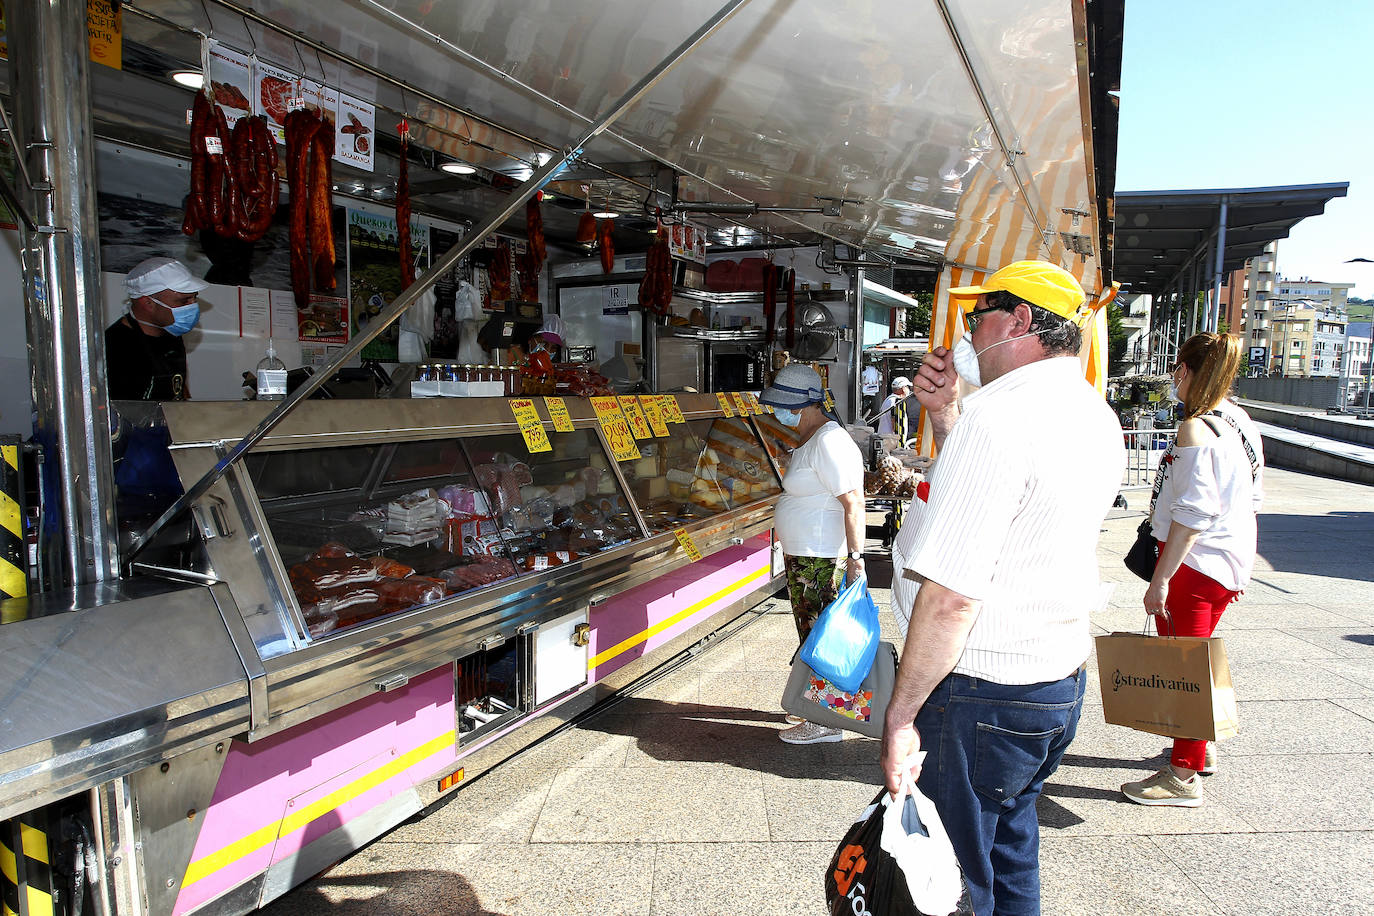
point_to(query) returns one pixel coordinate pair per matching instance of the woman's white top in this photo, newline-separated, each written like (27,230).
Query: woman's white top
(1211,489)
(809,519)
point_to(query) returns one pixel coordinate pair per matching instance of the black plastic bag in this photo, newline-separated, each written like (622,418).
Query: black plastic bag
(896,861)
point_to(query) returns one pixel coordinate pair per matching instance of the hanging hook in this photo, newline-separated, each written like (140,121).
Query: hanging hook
(204,8)
(248,30)
(324,77)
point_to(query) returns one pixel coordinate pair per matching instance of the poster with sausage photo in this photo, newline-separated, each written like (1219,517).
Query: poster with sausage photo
(356,126)
(231,81)
(374,274)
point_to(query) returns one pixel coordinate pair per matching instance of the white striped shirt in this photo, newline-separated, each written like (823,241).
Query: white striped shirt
(1017,499)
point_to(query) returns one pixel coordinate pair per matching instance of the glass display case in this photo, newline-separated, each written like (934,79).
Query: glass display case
(370,530)
(375,521)
(778,439)
(706,467)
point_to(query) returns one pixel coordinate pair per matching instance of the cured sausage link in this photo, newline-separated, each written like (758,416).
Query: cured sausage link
(321,203)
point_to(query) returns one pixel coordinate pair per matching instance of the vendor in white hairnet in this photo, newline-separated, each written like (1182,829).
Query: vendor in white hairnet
(145,356)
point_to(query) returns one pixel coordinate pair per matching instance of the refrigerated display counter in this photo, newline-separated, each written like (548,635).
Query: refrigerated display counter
(378,600)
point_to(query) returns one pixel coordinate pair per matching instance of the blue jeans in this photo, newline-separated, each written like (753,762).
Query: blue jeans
(989,749)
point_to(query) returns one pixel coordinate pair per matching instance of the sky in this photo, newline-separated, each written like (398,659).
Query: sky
(1228,94)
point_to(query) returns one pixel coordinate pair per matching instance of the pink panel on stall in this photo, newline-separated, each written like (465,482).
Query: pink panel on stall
(638,621)
(278,795)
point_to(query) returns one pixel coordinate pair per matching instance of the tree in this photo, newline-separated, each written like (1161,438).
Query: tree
(1116,340)
(916,321)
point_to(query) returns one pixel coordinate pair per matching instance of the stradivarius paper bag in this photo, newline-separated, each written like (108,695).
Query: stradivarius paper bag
(1174,686)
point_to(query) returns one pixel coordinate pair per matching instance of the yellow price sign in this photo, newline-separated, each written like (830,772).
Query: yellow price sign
(725,405)
(531,427)
(558,413)
(614,425)
(741,405)
(754,406)
(672,410)
(688,545)
(653,409)
(639,424)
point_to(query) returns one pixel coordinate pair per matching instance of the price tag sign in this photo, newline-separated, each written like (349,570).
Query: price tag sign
(616,428)
(214,146)
(742,406)
(672,410)
(653,410)
(558,413)
(639,424)
(754,406)
(725,404)
(531,427)
(295,103)
(688,545)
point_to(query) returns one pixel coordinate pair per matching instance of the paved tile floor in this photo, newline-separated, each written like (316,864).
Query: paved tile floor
(681,800)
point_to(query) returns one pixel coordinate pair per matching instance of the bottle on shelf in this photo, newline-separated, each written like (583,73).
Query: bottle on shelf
(271,376)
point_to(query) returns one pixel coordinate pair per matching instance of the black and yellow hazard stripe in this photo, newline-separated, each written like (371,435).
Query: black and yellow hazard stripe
(14,581)
(25,867)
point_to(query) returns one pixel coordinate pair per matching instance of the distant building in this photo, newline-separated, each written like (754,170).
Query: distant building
(1306,339)
(1135,319)
(1355,363)
(1259,287)
(1321,292)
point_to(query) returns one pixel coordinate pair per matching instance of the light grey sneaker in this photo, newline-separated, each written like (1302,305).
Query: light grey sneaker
(810,733)
(1209,766)
(1164,788)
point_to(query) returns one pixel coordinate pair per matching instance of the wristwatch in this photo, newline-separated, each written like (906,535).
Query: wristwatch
(856,554)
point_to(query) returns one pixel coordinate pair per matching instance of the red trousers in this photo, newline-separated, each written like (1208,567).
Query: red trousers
(1194,603)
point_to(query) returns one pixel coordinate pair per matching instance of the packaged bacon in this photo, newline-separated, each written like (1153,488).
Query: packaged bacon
(331,572)
(410,592)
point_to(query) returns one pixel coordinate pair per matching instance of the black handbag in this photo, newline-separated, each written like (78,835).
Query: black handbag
(1144,553)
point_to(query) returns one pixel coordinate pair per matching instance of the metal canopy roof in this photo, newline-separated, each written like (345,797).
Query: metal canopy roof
(1158,234)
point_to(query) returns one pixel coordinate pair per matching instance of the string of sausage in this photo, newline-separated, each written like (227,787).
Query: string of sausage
(301,126)
(603,239)
(403,212)
(234,186)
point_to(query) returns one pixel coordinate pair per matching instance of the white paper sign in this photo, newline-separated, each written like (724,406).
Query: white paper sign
(231,81)
(254,312)
(356,137)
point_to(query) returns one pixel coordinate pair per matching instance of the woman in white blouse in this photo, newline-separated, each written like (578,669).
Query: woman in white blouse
(1208,489)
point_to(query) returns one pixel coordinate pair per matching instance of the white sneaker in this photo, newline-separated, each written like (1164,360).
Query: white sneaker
(810,733)
(1209,766)
(1164,788)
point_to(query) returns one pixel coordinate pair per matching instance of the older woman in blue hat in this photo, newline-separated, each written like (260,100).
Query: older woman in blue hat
(820,516)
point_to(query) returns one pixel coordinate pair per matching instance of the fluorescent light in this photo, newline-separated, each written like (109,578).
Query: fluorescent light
(457,168)
(191,79)
(606,214)
(542,158)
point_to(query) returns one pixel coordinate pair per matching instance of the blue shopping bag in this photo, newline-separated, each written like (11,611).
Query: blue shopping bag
(844,641)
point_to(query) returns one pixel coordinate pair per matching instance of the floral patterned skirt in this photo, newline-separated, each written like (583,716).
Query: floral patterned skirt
(812,583)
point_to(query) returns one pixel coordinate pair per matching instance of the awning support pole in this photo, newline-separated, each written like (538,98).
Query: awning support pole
(1214,324)
(60,262)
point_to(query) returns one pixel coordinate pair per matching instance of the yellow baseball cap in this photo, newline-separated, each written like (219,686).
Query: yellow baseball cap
(1038,282)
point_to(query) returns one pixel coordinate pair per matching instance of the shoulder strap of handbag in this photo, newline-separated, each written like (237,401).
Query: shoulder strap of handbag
(1249,449)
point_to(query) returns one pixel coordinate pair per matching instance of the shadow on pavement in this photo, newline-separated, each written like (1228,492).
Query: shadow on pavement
(1303,544)
(746,738)
(397,893)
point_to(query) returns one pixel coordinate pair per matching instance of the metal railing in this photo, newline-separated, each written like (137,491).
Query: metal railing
(1144,448)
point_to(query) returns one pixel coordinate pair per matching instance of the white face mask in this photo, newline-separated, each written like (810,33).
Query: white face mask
(966,358)
(1173,393)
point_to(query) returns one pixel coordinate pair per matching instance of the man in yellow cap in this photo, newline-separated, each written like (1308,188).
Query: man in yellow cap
(991,680)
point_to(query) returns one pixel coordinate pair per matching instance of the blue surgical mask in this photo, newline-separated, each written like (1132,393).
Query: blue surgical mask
(787,417)
(184,317)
